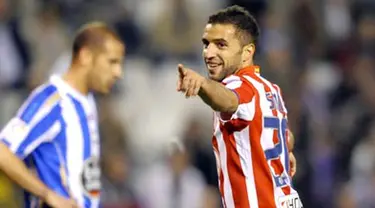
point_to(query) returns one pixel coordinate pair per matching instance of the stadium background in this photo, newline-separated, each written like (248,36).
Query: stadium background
(321,52)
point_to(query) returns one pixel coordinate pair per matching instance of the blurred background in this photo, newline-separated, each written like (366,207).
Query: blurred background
(321,53)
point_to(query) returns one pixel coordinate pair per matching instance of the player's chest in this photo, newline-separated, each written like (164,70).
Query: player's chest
(81,127)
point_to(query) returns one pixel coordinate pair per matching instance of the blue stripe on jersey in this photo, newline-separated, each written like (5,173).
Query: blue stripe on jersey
(46,159)
(39,129)
(36,102)
(86,136)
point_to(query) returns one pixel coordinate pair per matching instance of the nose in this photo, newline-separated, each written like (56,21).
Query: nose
(118,71)
(210,51)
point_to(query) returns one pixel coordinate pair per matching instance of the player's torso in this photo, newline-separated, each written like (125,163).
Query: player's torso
(70,163)
(83,150)
(253,163)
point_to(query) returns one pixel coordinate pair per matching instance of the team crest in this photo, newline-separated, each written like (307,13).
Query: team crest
(91,177)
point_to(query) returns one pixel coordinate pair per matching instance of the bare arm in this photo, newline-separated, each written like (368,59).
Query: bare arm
(213,93)
(290,141)
(218,97)
(292,158)
(16,170)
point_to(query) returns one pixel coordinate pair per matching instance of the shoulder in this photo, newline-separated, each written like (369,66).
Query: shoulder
(41,93)
(42,100)
(236,81)
(231,78)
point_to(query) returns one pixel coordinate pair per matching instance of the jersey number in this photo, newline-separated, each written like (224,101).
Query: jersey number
(274,155)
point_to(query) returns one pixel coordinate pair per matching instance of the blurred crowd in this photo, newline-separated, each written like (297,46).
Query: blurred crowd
(156,144)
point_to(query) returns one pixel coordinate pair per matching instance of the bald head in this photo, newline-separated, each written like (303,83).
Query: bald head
(93,36)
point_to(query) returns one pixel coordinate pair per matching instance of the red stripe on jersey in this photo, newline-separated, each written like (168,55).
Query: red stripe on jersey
(236,125)
(220,171)
(235,171)
(245,92)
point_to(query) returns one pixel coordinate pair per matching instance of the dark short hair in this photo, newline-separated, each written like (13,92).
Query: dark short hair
(92,36)
(245,23)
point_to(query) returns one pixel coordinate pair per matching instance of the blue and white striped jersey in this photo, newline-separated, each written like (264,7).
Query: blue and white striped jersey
(56,133)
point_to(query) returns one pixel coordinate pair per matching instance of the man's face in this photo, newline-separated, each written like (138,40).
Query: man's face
(107,66)
(222,50)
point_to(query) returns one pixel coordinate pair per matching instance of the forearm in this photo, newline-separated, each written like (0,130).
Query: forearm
(16,170)
(218,97)
(290,141)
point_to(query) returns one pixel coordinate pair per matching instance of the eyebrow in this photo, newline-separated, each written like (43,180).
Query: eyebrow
(114,60)
(214,40)
(220,40)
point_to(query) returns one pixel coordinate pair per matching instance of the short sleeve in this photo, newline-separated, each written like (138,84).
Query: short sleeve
(246,98)
(30,128)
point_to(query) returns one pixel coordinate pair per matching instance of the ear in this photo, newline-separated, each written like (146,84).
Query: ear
(250,49)
(248,52)
(85,56)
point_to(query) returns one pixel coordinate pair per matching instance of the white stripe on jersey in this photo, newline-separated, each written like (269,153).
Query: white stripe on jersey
(232,82)
(243,147)
(228,196)
(74,162)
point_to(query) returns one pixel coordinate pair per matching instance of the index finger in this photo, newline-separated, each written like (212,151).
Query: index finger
(181,70)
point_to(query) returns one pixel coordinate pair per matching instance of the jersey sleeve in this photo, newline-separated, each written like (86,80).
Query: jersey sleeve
(31,127)
(246,102)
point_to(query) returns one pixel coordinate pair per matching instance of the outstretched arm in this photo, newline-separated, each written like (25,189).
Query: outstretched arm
(220,99)
(213,93)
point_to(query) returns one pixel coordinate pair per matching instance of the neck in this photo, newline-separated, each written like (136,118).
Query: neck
(76,78)
(243,65)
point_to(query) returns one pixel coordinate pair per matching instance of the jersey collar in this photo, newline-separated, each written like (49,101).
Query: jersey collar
(62,85)
(253,69)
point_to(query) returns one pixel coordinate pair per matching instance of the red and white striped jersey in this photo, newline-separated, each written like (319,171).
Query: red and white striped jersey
(250,146)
